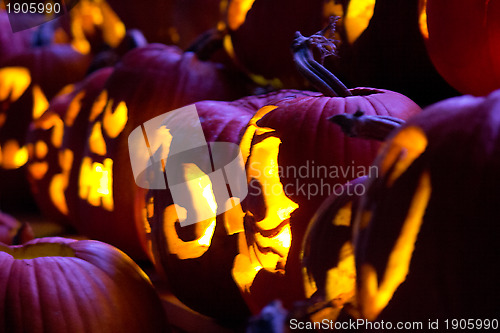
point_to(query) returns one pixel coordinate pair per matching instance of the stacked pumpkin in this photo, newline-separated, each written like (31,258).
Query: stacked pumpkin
(250,244)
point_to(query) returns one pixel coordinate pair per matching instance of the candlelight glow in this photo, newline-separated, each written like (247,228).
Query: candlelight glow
(96,140)
(114,121)
(375,294)
(14,81)
(404,148)
(357,18)
(40,102)
(13,156)
(96,183)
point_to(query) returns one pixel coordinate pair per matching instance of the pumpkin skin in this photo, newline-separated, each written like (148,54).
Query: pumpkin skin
(11,43)
(148,82)
(12,230)
(55,144)
(474,69)
(298,133)
(175,22)
(36,76)
(62,285)
(438,186)
(201,276)
(328,254)
(260,28)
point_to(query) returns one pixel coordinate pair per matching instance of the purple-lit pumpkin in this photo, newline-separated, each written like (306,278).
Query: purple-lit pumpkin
(261,32)
(426,230)
(27,82)
(286,137)
(64,285)
(55,145)
(146,83)
(328,253)
(463,42)
(197,259)
(12,231)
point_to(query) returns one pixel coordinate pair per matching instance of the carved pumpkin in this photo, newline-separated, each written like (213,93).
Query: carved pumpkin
(61,285)
(27,82)
(426,230)
(289,174)
(12,231)
(463,41)
(390,53)
(261,32)
(197,259)
(328,253)
(55,148)
(148,82)
(177,22)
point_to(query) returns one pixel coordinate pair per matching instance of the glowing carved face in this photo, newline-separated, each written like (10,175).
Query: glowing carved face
(89,18)
(107,122)
(265,236)
(49,163)
(375,290)
(14,82)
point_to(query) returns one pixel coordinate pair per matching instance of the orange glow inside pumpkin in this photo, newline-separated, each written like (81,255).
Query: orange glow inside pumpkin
(13,83)
(13,156)
(59,182)
(96,183)
(203,200)
(98,106)
(93,17)
(114,121)
(74,109)
(40,102)
(357,18)
(408,144)
(237,12)
(422,20)
(270,233)
(375,294)
(96,140)
(341,280)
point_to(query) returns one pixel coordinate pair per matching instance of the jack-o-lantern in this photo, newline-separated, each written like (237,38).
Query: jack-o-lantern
(385,49)
(197,259)
(463,42)
(425,233)
(27,82)
(175,22)
(148,82)
(93,26)
(64,285)
(289,174)
(14,232)
(55,145)
(328,253)
(261,32)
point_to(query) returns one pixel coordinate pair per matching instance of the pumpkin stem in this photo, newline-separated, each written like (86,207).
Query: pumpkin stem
(24,234)
(320,77)
(207,44)
(359,125)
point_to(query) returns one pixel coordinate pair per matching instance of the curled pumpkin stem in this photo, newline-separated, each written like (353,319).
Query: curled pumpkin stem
(359,125)
(320,77)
